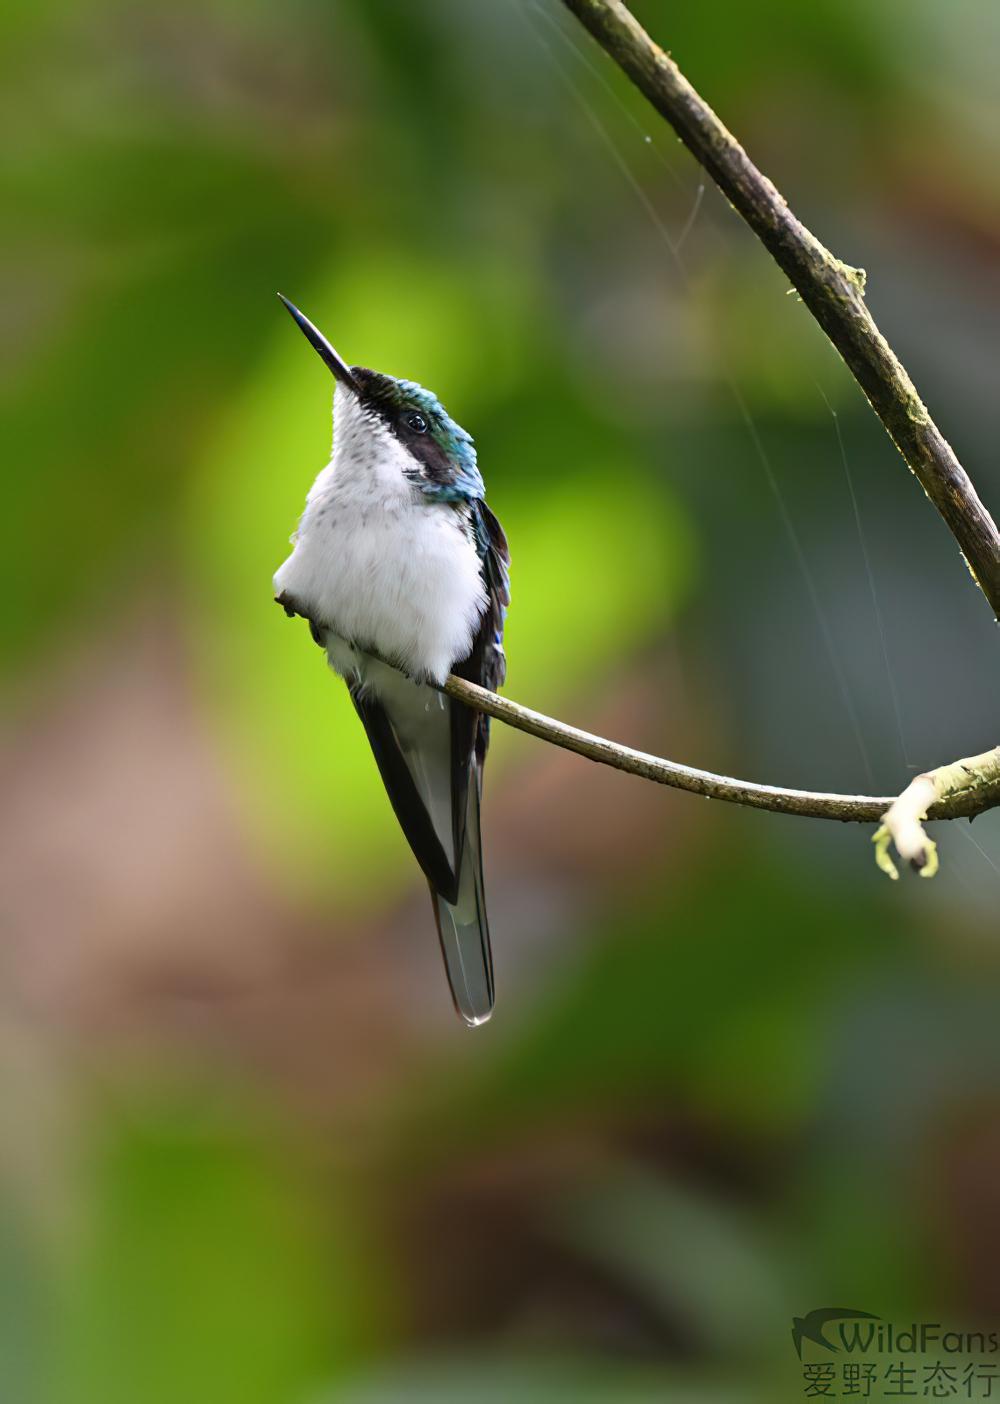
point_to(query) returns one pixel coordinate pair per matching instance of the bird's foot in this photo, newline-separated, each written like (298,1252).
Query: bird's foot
(289,604)
(292,608)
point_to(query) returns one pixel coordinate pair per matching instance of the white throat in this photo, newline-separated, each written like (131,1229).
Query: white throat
(379,564)
(367,459)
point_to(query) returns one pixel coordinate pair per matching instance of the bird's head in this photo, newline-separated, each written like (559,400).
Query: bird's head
(395,428)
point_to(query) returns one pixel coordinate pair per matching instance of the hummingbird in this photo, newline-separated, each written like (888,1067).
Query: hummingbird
(402,572)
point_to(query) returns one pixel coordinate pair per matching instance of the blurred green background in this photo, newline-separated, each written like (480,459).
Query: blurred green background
(247,1153)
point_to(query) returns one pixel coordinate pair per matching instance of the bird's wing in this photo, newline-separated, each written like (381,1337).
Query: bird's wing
(411,747)
(487,662)
(462,923)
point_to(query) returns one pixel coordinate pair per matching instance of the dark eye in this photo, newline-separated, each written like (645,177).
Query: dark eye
(417,422)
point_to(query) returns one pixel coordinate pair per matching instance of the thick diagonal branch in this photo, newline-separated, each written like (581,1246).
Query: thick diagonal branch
(832,291)
(865,809)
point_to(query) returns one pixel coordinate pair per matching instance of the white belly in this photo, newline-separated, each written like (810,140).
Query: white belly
(399,578)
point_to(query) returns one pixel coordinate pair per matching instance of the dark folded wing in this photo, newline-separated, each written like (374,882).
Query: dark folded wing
(486,663)
(463,926)
(411,750)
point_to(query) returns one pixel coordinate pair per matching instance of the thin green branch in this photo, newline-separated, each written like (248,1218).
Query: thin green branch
(958,803)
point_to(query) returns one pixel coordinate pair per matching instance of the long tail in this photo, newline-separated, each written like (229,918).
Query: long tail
(430,774)
(463,928)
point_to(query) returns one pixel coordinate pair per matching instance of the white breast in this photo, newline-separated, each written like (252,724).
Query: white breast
(378,563)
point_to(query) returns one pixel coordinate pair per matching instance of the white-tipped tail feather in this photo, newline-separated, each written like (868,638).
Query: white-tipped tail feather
(464,930)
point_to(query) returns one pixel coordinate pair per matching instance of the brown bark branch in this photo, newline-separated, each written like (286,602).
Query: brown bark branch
(833,291)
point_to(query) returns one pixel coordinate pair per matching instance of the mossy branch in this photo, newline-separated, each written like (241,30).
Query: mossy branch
(903,823)
(833,291)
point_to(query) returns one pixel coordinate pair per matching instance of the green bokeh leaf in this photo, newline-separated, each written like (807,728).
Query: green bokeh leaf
(209,1267)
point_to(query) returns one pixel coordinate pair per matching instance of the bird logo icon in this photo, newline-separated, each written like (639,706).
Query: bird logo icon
(810,1327)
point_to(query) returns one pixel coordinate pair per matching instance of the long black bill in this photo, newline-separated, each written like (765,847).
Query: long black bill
(326,352)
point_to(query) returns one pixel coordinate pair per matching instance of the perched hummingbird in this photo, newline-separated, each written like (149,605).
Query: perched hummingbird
(401,570)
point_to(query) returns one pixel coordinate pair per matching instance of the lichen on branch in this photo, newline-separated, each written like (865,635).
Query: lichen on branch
(902,825)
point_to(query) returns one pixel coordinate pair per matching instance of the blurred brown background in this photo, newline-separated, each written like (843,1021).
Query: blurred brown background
(247,1153)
